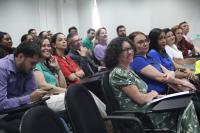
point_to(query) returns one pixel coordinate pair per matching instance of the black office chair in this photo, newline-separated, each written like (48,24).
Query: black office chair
(13,115)
(84,114)
(113,108)
(41,119)
(5,127)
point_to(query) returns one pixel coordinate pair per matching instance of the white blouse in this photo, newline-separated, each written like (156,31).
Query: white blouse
(173,52)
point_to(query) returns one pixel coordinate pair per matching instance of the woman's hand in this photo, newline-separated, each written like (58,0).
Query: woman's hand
(53,62)
(187,86)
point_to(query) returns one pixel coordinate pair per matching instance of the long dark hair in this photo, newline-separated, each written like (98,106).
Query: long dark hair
(154,37)
(46,62)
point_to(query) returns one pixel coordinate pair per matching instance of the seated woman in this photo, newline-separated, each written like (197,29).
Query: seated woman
(50,78)
(174,53)
(101,45)
(131,92)
(71,71)
(158,52)
(154,74)
(5,44)
(188,49)
(26,38)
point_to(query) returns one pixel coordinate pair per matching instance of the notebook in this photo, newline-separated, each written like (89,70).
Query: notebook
(178,94)
(172,104)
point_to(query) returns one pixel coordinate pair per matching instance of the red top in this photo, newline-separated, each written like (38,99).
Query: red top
(185,46)
(67,66)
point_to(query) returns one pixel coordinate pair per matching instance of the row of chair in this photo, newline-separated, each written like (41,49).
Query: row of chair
(81,109)
(84,116)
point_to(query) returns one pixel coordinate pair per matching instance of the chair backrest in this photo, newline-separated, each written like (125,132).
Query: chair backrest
(82,111)
(110,101)
(6,127)
(41,119)
(112,105)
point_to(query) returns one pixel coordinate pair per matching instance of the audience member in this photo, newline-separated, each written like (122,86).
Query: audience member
(78,53)
(49,77)
(171,48)
(26,38)
(131,92)
(33,33)
(187,48)
(121,31)
(17,80)
(158,52)
(71,71)
(186,28)
(50,34)
(87,41)
(72,30)
(154,74)
(5,44)
(101,44)
(43,34)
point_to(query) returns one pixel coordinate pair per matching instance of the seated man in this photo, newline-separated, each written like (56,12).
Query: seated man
(17,82)
(78,53)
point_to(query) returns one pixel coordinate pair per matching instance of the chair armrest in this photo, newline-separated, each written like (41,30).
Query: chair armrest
(139,123)
(90,79)
(23,107)
(118,112)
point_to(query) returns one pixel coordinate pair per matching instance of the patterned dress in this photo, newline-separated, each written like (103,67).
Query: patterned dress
(187,120)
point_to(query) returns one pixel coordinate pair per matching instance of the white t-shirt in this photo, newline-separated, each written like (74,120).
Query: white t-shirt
(173,52)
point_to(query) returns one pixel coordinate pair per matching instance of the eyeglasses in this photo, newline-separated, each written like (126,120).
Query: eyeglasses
(127,49)
(146,41)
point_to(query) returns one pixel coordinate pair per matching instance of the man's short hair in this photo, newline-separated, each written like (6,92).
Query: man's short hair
(69,37)
(72,28)
(89,30)
(29,49)
(120,26)
(30,30)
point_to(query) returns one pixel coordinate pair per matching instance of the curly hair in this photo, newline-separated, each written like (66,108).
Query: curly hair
(114,50)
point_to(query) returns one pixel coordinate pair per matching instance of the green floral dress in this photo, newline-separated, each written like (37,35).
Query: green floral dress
(187,120)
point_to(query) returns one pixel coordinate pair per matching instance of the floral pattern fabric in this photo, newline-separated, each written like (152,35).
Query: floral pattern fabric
(187,121)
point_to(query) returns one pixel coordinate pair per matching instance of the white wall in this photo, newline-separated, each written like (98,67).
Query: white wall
(130,13)
(70,15)
(143,15)
(17,16)
(167,13)
(85,16)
